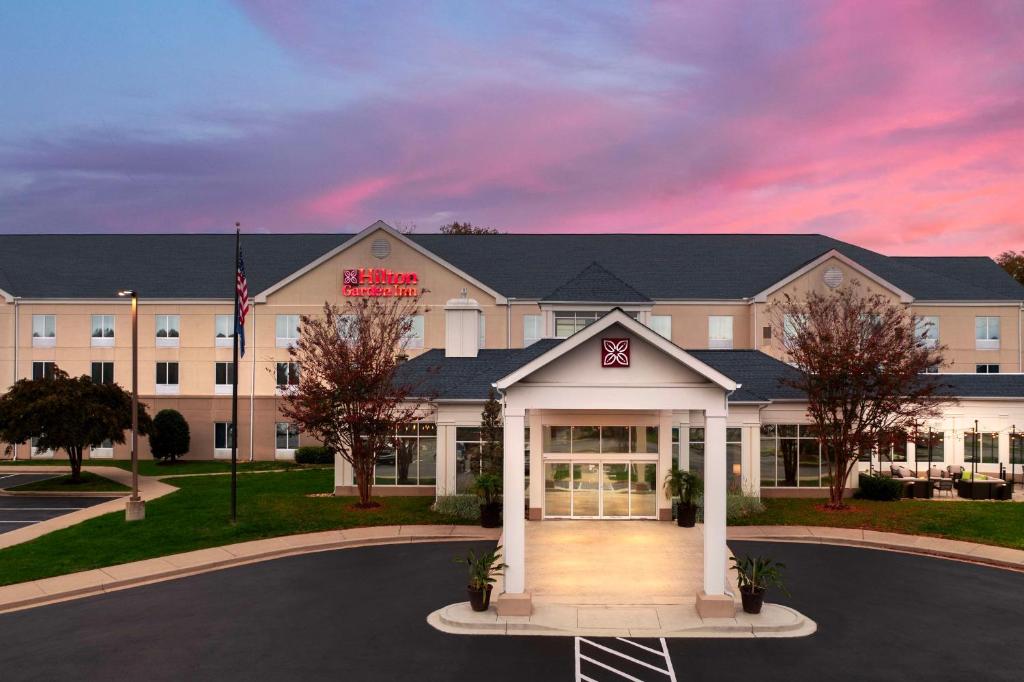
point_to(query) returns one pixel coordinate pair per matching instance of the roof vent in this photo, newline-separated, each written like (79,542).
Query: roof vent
(380,248)
(833,277)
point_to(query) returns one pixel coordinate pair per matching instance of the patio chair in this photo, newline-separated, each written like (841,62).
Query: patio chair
(956,471)
(943,485)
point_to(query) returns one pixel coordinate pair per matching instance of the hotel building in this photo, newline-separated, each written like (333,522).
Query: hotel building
(692,308)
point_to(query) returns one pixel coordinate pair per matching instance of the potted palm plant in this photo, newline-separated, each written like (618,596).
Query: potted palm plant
(688,487)
(488,487)
(755,575)
(481,576)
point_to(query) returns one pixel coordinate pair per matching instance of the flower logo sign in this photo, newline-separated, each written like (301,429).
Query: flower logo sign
(615,352)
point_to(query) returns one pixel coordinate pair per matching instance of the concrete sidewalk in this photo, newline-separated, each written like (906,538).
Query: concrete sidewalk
(121,576)
(149,489)
(1001,557)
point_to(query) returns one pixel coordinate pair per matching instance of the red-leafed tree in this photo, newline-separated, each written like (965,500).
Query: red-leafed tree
(862,361)
(348,394)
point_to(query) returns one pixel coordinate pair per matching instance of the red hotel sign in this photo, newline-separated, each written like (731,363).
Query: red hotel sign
(615,352)
(379,282)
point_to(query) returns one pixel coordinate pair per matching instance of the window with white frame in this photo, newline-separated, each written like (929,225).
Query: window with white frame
(287,375)
(482,332)
(287,330)
(987,368)
(662,324)
(569,322)
(35,451)
(42,370)
(166,377)
(102,330)
(414,461)
(414,337)
(223,436)
(287,437)
(105,450)
(103,372)
(720,331)
(224,330)
(44,330)
(168,329)
(533,329)
(926,329)
(224,377)
(986,333)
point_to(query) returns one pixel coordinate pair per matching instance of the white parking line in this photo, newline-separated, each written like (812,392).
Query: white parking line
(41,508)
(668,671)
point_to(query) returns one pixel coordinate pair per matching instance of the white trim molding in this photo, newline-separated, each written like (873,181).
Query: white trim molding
(828,255)
(379,226)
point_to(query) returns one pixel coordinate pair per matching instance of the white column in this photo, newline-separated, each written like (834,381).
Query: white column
(664,463)
(536,466)
(715,485)
(513,500)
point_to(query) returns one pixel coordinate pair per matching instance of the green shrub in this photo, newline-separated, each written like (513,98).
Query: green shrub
(169,438)
(739,505)
(314,454)
(460,506)
(875,487)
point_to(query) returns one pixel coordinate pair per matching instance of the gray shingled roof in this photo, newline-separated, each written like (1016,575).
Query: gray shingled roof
(760,375)
(596,284)
(525,266)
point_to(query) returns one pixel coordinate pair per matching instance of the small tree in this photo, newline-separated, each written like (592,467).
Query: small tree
(862,361)
(348,395)
(491,435)
(170,437)
(1013,263)
(466,228)
(70,414)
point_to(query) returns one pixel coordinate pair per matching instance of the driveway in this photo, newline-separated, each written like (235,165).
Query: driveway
(359,615)
(18,511)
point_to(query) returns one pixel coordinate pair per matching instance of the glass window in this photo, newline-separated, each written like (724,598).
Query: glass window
(675,447)
(168,326)
(557,438)
(601,439)
(224,326)
(790,456)
(769,455)
(936,440)
(287,437)
(224,373)
(586,439)
(103,372)
(222,435)
(533,329)
(568,323)
(662,324)
(102,326)
(1017,448)
(557,489)
(616,438)
(167,373)
(986,333)
(734,457)
(286,330)
(720,331)
(44,326)
(981,447)
(42,370)
(287,374)
(987,368)
(414,460)
(696,450)
(927,330)
(414,337)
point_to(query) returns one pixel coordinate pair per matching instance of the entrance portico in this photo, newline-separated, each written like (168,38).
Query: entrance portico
(616,367)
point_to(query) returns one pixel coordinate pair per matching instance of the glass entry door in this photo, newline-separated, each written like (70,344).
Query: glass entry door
(600,490)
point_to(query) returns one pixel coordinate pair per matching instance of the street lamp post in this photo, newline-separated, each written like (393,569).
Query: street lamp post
(136,507)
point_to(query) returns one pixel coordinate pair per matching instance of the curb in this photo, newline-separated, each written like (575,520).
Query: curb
(99,581)
(70,493)
(812,538)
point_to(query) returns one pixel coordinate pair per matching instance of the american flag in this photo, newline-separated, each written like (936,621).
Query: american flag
(242,289)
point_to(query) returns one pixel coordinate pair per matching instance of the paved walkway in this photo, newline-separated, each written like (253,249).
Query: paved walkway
(1002,557)
(111,578)
(149,489)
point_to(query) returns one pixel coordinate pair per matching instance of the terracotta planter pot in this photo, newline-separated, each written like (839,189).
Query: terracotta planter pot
(686,516)
(753,600)
(490,515)
(480,600)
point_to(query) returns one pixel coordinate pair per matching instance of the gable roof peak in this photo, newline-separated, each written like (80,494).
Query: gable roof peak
(596,284)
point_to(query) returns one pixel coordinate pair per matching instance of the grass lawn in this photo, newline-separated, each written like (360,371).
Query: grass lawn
(196,516)
(988,522)
(149,467)
(88,483)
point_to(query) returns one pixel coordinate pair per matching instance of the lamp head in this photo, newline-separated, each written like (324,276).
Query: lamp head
(126,292)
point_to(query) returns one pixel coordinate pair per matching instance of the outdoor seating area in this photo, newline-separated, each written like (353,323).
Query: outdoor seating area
(939,481)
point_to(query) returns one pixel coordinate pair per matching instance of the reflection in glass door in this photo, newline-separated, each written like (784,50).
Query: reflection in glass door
(609,490)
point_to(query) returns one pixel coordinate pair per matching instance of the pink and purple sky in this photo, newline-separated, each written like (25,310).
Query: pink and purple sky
(898,126)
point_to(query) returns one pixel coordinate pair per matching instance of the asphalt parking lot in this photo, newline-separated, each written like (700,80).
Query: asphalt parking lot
(18,511)
(360,614)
